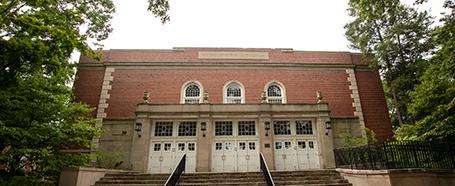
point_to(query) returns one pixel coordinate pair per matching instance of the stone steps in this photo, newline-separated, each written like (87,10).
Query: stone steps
(288,178)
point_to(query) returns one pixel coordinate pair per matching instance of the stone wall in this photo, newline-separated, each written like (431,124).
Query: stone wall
(399,177)
(117,137)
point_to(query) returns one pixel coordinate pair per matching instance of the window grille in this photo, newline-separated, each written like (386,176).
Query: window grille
(223,128)
(157,147)
(234,94)
(163,128)
(301,144)
(167,147)
(252,145)
(192,94)
(242,146)
(191,146)
(181,146)
(304,127)
(218,146)
(278,145)
(247,128)
(187,128)
(274,95)
(281,127)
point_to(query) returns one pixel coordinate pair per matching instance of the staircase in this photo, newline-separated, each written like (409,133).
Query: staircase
(309,178)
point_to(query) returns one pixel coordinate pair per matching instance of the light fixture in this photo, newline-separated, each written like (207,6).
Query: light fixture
(203,128)
(267,128)
(138,127)
(328,126)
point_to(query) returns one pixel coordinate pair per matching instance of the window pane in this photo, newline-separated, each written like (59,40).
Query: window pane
(157,147)
(234,91)
(278,145)
(282,127)
(274,91)
(301,144)
(252,145)
(167,147)
(247,128)
(163,128)
(181,147)
(191,146)
(187,128)
(310,144)
(192,91)
(218,146)
(223,128)
(304,127)
(242,146)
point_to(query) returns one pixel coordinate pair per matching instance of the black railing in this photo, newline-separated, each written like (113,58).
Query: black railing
(397,155)
(265,171)
(178,171)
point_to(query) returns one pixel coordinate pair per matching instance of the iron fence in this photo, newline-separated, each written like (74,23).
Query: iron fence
(397,155)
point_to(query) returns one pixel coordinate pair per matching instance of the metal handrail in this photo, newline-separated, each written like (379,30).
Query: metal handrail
(265,171)
(178,171)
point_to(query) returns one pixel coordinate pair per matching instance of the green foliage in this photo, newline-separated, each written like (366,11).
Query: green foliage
(38,117)
(395,38)
(351,140)
(109,160)
(433,100)
(25,181)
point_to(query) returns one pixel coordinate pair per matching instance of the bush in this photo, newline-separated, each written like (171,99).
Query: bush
(25,181)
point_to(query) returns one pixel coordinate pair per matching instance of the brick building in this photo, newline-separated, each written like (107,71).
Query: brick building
(222,106)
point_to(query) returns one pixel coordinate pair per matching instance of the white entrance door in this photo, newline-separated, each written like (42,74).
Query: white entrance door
(247,156)
(285,155)
(296,155)
(161,157)
(164,156)
(188,148)
(223,157)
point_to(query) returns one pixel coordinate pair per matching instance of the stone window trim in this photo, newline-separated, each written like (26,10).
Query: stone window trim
(227,99)
(192,99)
(272,98)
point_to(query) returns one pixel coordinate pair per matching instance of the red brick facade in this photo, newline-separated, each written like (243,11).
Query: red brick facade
(164,72)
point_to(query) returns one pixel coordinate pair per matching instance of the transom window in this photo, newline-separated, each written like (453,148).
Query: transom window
(304,127)
(234,93)
(247,128)
(163,128)
(223,128)
(275,94)
(187,128)
(282,127)
(192,93)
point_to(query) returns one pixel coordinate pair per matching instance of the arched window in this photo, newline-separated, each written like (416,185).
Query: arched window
(234,93)
(275,93)
(192,93)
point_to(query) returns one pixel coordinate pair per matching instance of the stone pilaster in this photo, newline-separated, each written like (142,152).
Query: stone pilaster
(103,103)
(356,99)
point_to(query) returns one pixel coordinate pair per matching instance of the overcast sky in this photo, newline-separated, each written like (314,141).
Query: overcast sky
(299,24)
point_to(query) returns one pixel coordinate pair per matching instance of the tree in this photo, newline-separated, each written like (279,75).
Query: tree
(395,38)
(433,100)
(38,118)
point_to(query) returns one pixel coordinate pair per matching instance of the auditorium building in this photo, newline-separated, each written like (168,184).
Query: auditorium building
(222,107)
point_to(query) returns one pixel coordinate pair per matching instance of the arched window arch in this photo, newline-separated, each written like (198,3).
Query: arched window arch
(192,93)
(275,93)
(234,93)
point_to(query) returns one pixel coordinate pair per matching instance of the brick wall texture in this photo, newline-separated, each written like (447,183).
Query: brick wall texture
(164,72)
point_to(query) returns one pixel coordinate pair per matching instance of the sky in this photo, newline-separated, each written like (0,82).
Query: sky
(315,25)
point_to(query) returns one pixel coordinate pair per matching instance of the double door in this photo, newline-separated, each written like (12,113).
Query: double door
(298,154)
(165,155)
(235,156)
